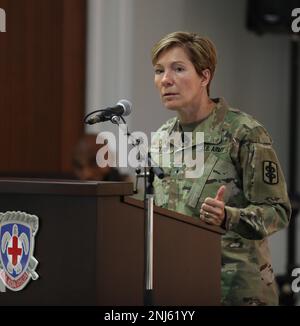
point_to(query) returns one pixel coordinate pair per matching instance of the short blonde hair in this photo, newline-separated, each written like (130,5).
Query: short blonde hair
(200,50)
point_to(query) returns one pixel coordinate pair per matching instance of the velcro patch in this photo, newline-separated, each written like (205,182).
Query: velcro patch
(270,172)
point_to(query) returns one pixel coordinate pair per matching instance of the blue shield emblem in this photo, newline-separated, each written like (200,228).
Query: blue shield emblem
(15,239)
(17,265)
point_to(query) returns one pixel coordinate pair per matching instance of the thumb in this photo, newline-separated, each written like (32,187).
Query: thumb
(220,193)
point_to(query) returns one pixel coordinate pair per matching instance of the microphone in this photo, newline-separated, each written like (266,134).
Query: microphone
(122,108)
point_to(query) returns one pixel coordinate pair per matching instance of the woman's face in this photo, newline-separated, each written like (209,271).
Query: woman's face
(176,78)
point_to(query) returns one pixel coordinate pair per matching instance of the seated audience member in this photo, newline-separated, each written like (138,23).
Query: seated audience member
(85,166)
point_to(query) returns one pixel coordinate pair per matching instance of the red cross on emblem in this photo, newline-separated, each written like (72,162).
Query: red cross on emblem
(15,250)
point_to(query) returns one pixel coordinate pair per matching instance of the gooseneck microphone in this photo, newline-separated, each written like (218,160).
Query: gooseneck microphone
(122,108)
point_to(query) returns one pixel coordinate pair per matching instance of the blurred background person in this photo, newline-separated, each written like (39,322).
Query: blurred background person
(84,162)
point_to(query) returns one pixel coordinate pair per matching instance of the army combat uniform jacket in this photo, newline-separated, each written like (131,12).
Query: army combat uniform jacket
(238,153)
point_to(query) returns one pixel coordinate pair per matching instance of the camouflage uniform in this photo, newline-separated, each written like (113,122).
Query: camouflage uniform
(237,153)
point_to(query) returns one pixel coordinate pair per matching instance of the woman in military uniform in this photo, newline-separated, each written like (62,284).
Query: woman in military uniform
(242,187)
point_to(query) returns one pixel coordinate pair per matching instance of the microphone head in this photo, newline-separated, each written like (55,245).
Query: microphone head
(127,106)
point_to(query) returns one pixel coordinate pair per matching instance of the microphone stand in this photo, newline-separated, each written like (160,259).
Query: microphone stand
(150,170)
(148,215)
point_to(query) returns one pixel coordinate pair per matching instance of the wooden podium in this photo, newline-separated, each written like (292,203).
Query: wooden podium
(90,247)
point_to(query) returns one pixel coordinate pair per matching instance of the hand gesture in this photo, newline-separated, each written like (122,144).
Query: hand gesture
(213,209)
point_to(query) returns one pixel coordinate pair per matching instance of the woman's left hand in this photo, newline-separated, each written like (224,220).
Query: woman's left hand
(213,209)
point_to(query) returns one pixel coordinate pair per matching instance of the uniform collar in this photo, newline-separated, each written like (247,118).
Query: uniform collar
(211,126)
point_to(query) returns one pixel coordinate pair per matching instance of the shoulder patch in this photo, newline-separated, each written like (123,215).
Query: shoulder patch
(270,172)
